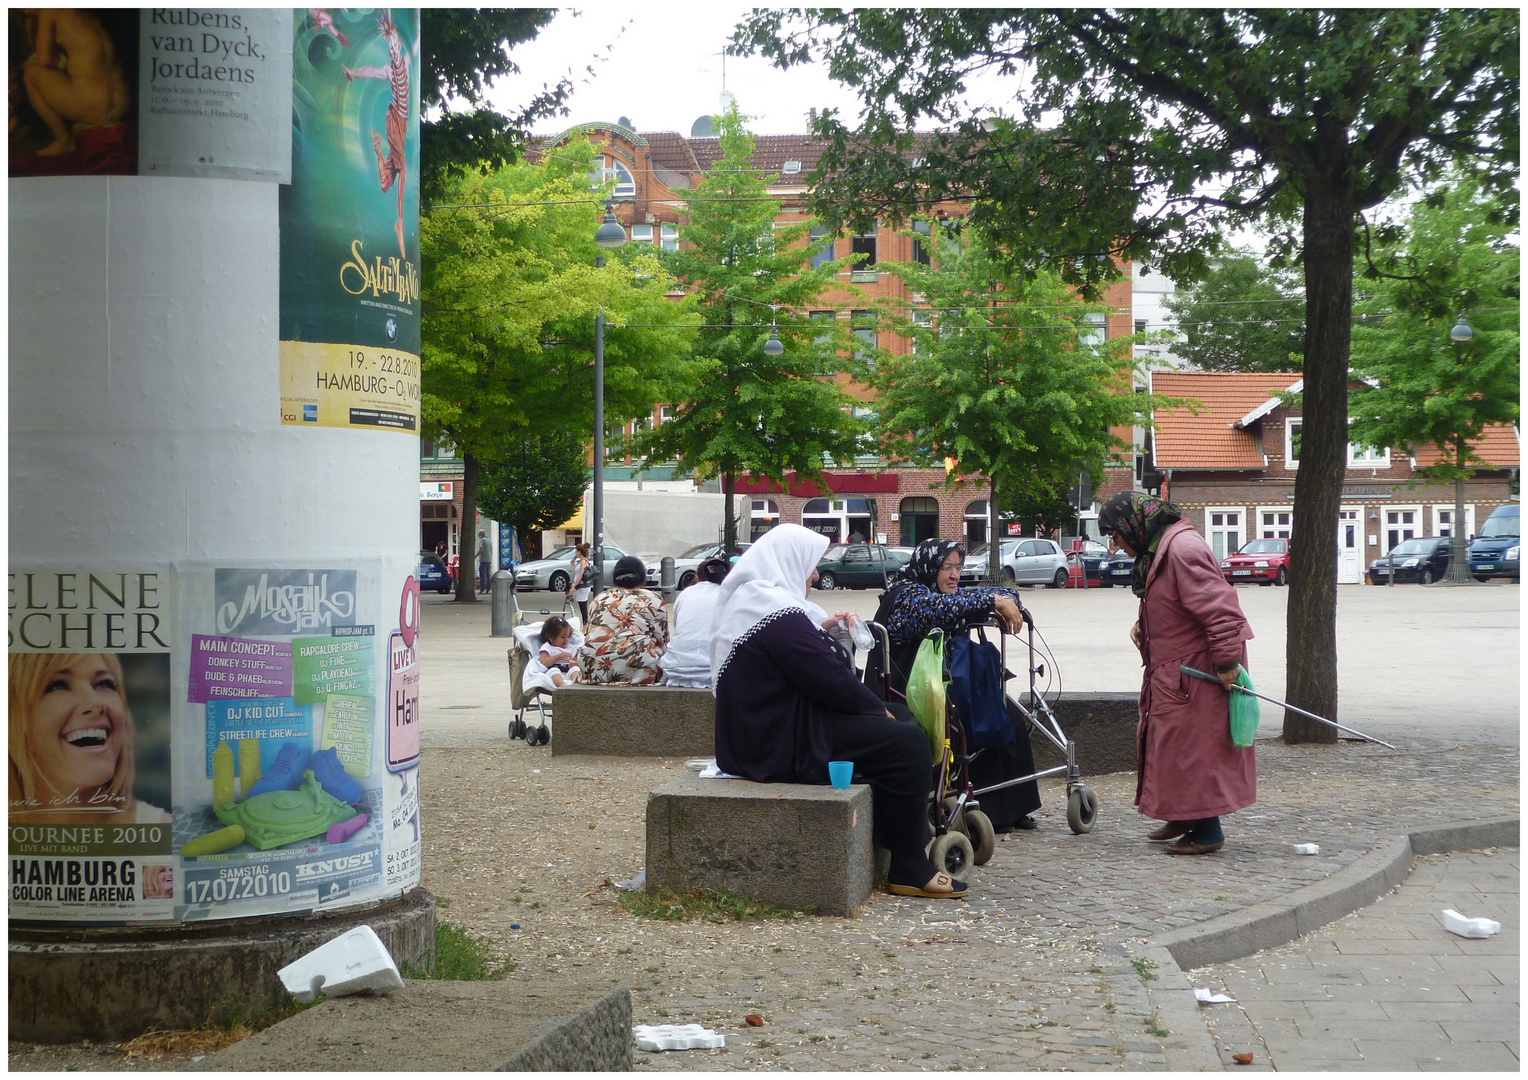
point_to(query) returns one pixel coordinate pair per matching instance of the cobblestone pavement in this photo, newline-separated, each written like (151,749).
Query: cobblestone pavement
(1387,988)
(1033,971)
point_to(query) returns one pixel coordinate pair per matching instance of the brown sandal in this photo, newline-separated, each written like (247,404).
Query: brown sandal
(940,887)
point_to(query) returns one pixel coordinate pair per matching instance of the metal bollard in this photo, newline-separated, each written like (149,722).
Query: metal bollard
(503,590)
(666,579)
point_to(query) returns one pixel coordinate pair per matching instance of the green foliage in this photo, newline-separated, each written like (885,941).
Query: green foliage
(460,51)
(1459,256)
(715,907)
(1004,376)
(1242,316)
(460,957)
(535,482)
(753,413)
(510,294)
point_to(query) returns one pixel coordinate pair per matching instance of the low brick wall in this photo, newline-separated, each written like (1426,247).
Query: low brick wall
(634,721)
(1103,726)
(795,846)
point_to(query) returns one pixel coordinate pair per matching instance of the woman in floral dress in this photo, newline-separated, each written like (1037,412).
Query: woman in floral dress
(627,630)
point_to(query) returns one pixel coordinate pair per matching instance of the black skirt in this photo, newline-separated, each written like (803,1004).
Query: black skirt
(992,766)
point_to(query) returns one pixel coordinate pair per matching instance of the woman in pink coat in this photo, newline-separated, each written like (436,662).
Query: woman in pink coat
(1187,773)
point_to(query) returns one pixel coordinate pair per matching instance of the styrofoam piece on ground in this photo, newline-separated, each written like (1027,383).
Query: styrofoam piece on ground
(1456,923)
(712,771)
(1307,849)
(696,764)
(355,961)
(1209,997)
(635,883)
(676,1037)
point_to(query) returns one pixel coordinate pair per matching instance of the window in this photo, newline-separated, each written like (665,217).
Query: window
(922,248)
(1443,520)
(1094,330)
(816,506)
(824,331)
(865,337)
(864,245)
(666,413)
(609,169)
(816,233)
(923,320)
(1140,326)
(642,233)
(670,237)
(1223,530)
(1368,457)
(1275,522)
(1292,428)
(790,168)
(436,448)
(1402,523)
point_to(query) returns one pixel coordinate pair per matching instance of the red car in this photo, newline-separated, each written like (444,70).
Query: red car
(1263,561)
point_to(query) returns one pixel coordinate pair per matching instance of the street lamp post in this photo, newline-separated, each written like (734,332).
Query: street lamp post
(1459,563)
(609,236)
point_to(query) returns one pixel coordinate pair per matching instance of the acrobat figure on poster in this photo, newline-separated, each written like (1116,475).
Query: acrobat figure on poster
(392,167)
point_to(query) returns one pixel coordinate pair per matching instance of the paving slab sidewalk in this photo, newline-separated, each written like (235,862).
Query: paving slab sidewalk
(1387,987)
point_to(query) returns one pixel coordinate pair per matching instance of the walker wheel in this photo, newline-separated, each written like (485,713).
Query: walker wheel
(1081,808)
(982,835)
(543,735)
(952,853)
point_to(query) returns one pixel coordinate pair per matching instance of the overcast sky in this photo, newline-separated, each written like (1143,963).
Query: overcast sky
(661,66)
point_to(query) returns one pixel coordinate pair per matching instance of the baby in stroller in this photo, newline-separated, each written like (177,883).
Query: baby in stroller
(556,658)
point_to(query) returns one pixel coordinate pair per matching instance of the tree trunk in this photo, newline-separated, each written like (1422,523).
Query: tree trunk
(1459,561)
(1311,634)
(729,519)
(466,562)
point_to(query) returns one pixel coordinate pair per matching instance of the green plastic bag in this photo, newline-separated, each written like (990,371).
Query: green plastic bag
(1245,713)
(926,689)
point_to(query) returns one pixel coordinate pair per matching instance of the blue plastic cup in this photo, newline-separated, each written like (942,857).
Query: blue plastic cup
(840,773)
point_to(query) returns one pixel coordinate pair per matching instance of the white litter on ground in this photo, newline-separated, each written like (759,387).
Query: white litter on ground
(655,1037)
(713,772)
(1456,923)
(1209,997)
(635,883)
(355,961)
(1307,849)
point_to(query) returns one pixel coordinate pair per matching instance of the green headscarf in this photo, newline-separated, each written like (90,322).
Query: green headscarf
(1141,519)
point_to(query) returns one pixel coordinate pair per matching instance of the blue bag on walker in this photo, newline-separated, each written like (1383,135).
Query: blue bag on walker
(976,690)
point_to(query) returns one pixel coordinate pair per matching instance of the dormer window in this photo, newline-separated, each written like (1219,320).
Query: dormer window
(606,168)
(790,168)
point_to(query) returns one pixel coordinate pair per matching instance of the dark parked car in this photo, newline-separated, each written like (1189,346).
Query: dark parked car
(1424,559)
(1118,567)
(857,566)
(1497,549)
(1264,561)
(1093,556)
(432,573)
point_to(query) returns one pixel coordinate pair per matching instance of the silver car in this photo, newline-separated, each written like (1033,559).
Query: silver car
(554,572)
(1026,561)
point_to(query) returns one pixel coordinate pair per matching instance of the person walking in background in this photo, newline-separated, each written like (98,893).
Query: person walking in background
(1188,773)
(581,581)
(484,560)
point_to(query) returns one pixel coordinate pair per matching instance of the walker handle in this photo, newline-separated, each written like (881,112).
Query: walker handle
(1196,673)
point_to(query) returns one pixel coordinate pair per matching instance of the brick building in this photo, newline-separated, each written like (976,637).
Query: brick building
(1232,470)
(653,175)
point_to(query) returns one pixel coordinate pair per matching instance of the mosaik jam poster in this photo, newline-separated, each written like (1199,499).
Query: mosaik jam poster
(350,222)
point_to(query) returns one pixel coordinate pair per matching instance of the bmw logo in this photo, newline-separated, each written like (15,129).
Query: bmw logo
(392,328)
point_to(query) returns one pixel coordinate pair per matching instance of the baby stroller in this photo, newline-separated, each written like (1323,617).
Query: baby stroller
(963,835)
(538,694)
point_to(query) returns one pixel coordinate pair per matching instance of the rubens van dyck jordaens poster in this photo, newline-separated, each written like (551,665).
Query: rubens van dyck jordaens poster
(211,742)
(350,222)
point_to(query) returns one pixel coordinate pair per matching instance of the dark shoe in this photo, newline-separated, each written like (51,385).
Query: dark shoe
(1170,831)
(1026,822)
(1192,847)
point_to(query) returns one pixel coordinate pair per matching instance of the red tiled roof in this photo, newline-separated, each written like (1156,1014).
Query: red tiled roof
(1208,441)
(1497,445)
(669,150)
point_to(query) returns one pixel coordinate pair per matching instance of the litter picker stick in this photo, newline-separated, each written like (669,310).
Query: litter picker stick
(1207,677)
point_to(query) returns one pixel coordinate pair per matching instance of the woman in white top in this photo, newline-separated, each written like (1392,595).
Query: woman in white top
(579,592)
(687,660)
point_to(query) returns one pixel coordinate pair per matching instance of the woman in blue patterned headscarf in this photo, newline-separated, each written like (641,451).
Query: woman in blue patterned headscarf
(926,595)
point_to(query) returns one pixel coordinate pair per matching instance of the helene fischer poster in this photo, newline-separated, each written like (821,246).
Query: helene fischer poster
(350,222)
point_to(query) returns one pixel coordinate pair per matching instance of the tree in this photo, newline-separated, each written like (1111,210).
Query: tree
(754,413)
(1174,124)
(1242,316)
(1005,375)
(461,50)
(509,295)
(536,481)
(1457,260)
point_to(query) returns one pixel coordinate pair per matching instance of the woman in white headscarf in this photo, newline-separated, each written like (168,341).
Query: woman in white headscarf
(786,704)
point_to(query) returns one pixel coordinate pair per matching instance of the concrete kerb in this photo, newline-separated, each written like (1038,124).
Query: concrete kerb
(1265,926)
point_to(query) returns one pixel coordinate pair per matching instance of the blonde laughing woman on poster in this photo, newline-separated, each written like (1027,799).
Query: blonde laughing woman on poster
(71,742)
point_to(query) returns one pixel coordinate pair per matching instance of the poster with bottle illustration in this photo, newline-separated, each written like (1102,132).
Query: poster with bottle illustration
(349,296)
(89,829)
(286,801)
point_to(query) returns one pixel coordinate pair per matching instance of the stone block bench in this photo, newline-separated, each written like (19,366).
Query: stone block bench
(795,846)
(1101,724)
(634,721)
